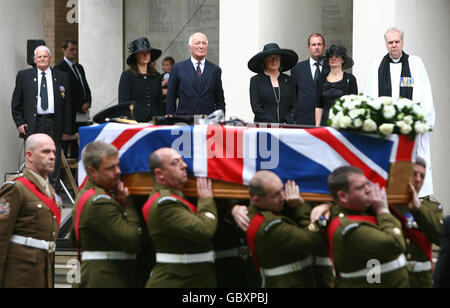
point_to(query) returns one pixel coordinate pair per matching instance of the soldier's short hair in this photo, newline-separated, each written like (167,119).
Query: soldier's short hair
(154,162)
(256,188)
(94,152)
(421,161)
(338,179)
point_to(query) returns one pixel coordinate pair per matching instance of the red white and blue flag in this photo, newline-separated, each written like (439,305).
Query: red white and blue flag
(234,154)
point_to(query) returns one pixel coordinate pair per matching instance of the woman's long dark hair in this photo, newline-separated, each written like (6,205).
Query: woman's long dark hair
(134,68)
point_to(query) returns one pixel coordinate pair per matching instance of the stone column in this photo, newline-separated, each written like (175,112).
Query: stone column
(246,26)
(101,49)
(14,58)
(427,32)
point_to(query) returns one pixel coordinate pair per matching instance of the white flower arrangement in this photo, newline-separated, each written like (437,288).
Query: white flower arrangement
(383,115)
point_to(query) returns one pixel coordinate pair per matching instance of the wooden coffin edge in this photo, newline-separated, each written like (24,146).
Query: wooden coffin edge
(398,193)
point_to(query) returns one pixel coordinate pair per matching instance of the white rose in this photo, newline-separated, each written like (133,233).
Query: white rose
(405,129)
(358,123)
(375,104)
(417,110)
(404,102)
(388,112)
(386,100)
(408,120)
(338,107)
(335,122)
(345,122)
(369,126)
(421,127)
(362,111)
(354,113)
(387,129)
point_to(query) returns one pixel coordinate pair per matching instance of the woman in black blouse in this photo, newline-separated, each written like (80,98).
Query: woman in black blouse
(141,83)
(273,94)
(335,84)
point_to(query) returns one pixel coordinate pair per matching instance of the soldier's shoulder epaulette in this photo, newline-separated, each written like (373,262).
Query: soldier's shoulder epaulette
(166,200)
(272,224)
(101,197)
(6,184)
(350,227)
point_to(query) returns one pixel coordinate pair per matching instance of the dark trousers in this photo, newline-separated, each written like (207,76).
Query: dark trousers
(47,126)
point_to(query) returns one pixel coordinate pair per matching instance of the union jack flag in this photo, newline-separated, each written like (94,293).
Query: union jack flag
(234,154)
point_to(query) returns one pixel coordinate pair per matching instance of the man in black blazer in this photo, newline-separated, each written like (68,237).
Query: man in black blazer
(197,83)
(80,92)
(41,104)
(441,276)
(305,73)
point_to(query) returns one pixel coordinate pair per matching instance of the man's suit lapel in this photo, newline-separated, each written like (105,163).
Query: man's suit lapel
(205,75)
(307,71)
(34,81)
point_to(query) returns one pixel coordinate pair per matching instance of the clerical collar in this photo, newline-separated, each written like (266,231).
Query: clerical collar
(395,60)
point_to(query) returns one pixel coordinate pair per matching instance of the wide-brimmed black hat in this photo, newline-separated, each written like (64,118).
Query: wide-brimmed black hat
(122,110)
(141,44)
(289,58)
(337,50)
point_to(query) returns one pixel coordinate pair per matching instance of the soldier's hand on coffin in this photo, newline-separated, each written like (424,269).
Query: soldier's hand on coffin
(415,201)
(204,188)
(379,200)
(240,215)
(319,211)
(292,192)
(121,192)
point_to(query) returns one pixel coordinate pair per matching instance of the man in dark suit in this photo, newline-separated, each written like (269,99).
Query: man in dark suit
(441,277)
(306,73)
(41,104)
(80,93)
(197,83)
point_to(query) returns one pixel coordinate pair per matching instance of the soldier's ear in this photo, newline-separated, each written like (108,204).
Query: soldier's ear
(256,200)
(158,174)
(342,196)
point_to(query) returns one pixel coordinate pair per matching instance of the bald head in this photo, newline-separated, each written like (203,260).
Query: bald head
(267,191)
(260,181)
(35,140)
(40,154)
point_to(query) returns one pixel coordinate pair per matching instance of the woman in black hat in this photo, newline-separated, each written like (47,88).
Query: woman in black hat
(141,83)
(273,94)
(335,84)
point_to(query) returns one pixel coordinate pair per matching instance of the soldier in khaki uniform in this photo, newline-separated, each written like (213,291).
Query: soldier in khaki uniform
(29,220)
(422,227)
(368,250)
(105,223)
(181,233)
(281,249)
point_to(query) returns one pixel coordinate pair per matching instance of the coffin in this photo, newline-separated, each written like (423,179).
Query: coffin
(230,155)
